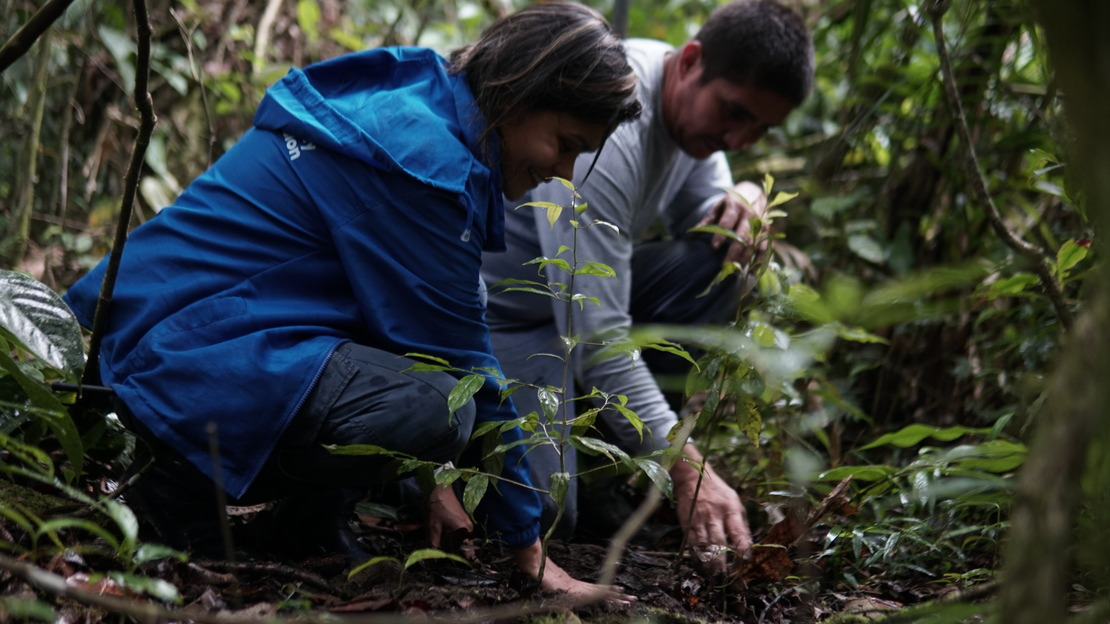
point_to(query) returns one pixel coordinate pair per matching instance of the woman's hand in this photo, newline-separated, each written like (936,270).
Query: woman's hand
(556,579)
(448,523)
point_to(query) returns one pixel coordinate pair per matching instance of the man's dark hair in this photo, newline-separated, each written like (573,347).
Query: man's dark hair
(558,56)
(761,43)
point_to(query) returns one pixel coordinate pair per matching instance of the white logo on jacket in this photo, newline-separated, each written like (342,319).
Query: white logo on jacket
(294,146)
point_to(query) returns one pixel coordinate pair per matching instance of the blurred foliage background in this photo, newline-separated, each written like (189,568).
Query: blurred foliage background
(928,407)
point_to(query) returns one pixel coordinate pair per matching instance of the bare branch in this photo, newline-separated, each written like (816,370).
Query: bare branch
(25,37)
(147,120)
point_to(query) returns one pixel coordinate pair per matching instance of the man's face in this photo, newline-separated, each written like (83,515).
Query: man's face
(704,118)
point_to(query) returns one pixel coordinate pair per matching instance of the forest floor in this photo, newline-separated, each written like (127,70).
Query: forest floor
(775,587)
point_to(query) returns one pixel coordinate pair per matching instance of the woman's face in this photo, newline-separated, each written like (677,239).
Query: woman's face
(538,145)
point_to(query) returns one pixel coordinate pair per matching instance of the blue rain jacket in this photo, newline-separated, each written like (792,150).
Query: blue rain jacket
(356,208)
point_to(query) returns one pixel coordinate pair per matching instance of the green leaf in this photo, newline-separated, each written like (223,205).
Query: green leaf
(554,211)
(122,47)
(474,491)
(593,446)
(997,456)
(565,182)
(858,334)
(425,554)
(632,417)
(483,428)
(430,358)
(1071,253)
(858,473)
(595,268)
(716,229)
(127,523)
(538,204)
(49,410)
(599,222)
(867,248)
(809,304)
(40,322)
(764,335)
(308,18)
(446,475)
(373,562)
(424,367)
(548,398)
(346,39)
(781,198)
(553,214)
(23,609)
(673,348)
(558,263)
(658,475)
(1014,285)
(156,587)
(560,484)
(463,392)
(154,552)
(51,527)
(582,299)
(363,449)
(915,433)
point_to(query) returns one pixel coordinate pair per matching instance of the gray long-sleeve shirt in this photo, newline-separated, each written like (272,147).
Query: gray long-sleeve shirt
(640,178)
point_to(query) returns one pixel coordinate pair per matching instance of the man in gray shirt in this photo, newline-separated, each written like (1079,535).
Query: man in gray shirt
(749,66)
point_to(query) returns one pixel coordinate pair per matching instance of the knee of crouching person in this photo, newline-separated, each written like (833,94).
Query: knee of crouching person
(444,432)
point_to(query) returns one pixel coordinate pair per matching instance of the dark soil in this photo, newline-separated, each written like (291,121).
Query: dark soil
(772,585)
(256,585)
(668,587)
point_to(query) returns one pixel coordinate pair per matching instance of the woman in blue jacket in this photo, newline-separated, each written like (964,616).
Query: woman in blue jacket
(267,311)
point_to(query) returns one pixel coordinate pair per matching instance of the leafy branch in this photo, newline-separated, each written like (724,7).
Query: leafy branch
(937,9)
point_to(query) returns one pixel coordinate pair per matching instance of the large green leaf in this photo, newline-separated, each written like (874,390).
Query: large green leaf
(39,321)
(474,491)
(915,433)
(463,392)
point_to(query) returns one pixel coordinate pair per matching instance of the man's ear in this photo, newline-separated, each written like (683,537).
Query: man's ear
(689,57)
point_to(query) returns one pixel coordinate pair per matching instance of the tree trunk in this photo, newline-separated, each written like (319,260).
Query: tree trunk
(1039,554)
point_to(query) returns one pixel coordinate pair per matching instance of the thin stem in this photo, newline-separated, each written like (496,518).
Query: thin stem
(147,120)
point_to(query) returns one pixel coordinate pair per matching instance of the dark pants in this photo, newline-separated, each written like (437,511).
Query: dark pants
(364,396)
(667,279)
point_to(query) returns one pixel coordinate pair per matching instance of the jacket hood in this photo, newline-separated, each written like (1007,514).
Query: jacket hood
(386,107)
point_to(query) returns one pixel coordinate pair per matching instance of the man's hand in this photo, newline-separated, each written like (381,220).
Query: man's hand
(717,524)
(556,579)
(448,523)
(733,213)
